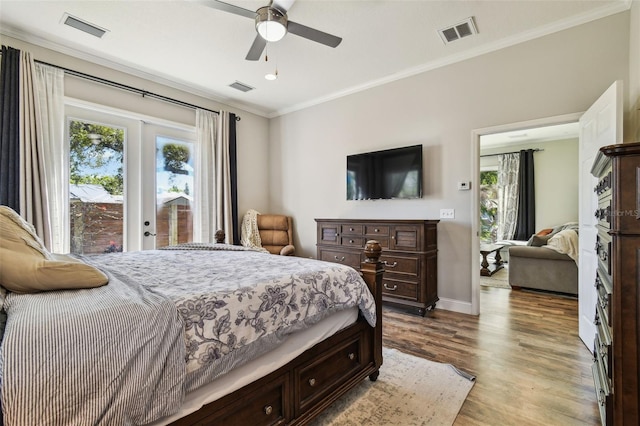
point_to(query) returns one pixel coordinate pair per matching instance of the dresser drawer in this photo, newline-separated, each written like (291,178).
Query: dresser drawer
(373,231)
(605,290)
(352,241)
(406,267)
(603,395)
(604,354)
(265,408)
(400,289)
(351,229)
(324,374)
(603,212)
(337,256)
(603,251)
(603,188)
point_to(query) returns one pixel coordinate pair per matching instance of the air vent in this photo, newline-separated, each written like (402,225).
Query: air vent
(458,31)
(84,26)
(241,86)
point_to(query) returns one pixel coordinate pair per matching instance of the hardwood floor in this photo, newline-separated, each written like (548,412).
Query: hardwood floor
(530,366)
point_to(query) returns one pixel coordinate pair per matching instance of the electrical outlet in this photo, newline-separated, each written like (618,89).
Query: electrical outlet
(447,214)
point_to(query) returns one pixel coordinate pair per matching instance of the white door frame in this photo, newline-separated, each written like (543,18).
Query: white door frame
(475,193)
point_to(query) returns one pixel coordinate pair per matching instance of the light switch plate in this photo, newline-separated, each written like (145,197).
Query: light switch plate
(447,214)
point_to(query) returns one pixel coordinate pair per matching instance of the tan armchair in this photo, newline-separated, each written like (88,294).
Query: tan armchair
(276,233)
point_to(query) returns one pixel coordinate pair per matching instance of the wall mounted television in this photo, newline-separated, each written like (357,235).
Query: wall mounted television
(388,174)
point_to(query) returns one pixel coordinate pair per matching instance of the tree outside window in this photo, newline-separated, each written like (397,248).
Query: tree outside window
(488,206)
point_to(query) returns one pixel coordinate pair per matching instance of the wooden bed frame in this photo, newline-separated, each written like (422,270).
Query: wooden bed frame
(300,390)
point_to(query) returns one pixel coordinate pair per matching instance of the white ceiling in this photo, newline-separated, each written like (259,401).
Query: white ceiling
(200,49)
(532,135)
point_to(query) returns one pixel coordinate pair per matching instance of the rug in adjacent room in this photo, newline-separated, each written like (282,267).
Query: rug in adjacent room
(409,391)
(499,279)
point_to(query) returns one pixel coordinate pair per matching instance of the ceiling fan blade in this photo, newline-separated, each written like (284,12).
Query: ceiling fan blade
(226,7)
(256,49)
(313,34)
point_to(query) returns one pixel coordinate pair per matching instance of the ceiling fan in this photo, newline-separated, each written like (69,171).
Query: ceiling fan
(272,24)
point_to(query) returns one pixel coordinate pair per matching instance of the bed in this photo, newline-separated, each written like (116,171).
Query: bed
(198,334)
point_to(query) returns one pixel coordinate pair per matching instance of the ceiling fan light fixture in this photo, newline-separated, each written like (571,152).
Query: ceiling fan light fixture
(271,24)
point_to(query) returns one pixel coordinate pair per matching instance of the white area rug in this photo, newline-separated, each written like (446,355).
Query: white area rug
(409,391)
(500,279)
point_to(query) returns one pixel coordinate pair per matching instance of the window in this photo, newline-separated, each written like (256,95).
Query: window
(488,205)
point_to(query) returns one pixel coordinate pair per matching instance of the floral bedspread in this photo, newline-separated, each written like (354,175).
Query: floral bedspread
(239,304)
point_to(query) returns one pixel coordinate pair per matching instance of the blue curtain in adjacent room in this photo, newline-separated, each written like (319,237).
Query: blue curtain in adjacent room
(9,128)
(526,219)
(233,159)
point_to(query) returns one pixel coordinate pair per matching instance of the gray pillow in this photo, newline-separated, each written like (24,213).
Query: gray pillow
(538,241)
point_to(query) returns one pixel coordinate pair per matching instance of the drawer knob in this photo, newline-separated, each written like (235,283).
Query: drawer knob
(268,410)
(352,356)
(390,265)
(376,230)
(339,259)
(351,241)
(312,382)
(351,229)
(386,286)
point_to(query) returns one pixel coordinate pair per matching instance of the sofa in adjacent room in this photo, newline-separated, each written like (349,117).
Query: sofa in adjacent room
(548,263)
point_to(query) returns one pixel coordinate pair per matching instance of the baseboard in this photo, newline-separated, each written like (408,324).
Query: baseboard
(454,305)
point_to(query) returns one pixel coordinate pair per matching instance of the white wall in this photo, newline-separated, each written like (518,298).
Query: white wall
(632,130)
(252,130)
(555,179)
(558,74)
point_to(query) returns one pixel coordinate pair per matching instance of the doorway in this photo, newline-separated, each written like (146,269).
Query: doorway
(503,135)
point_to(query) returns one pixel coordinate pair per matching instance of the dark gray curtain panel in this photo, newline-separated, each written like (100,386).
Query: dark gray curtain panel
(9,128)
(526,221)
(233,159)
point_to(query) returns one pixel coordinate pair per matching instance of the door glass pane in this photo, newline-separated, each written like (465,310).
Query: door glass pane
(96,187)
(174,186)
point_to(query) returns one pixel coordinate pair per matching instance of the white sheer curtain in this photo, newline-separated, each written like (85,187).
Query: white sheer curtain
(204,220)
(508,165)
(33,193)
(41,141)
(212,201)
(49,84)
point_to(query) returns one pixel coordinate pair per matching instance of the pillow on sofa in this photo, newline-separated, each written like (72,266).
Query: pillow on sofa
(544,232)
(27,267)
(538,241)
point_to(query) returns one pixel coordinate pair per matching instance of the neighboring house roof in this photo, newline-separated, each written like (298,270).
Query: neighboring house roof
(88,193)
(178,198)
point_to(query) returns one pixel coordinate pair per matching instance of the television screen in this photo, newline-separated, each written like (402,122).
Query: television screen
(392,173)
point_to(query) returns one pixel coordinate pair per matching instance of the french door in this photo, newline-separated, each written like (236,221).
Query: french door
(131,181)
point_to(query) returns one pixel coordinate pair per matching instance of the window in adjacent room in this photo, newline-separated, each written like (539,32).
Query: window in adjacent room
(488,205)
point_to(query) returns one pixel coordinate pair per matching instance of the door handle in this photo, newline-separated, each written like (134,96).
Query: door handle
(149,234)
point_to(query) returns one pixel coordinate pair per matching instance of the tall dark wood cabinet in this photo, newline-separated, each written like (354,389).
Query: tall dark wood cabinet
(409,253)
(616,368)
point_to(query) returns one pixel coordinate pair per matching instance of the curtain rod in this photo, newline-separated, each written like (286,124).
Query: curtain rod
(512,152)
(144,93)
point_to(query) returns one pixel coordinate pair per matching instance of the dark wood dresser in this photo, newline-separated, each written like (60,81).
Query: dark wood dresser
(409,253)
(616,368)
